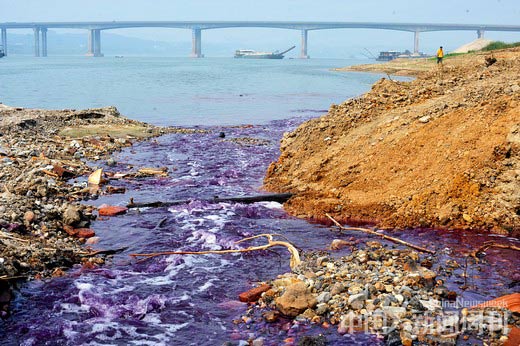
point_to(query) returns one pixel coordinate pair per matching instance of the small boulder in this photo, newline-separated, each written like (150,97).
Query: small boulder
(85,232)
(295,300)
(72,215)
(108,210)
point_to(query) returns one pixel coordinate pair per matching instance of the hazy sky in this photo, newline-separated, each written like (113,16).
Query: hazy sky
(461,11)
(455,11)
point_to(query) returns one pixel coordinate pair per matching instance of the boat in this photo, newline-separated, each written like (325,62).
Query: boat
(251,54)
(392,54)
(388,55)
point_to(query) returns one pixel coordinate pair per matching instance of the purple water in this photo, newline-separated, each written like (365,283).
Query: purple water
(193,300)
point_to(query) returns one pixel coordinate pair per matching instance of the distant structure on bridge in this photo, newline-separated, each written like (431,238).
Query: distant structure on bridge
(95,28)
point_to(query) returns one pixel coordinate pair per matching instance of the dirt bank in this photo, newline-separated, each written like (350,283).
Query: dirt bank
(439,151)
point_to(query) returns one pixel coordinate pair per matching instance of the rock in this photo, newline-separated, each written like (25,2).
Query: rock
(427,275)
(96,177)
(271,316)
(319,340)
(357,301)
(393,338)
(424,119)
(441,291)
(295,299)
(111,162)
(92,240)
(395,312)
(115,189)
(253,294)
(29,216)
(451,295)
(324,297)
(107,210)
(338,244)
(85,232)
(347,323)
(431,305)
(415,304)
(322,309)
(379,286)
(406,338)
(70,230)
(309,314)
(338,288)
(72,215)
(62,172)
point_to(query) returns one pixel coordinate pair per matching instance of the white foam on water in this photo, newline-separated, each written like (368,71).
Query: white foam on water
(146,342)
(271,205)
(206,285)
(73,308)
(83,286)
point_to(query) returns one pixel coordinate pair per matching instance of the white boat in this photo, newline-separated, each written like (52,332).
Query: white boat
(251,54)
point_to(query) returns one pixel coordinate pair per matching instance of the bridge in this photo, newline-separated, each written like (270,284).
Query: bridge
(95,28)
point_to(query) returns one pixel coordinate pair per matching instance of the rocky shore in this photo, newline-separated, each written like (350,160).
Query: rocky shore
(399,296)
(440,151)
(43,225)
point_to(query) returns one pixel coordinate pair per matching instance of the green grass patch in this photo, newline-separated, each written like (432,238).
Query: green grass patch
(500,45)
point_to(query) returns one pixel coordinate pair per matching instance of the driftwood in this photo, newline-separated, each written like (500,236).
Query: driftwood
(272,197)
(295,256)
(479,253)
(384,236)
(104,252)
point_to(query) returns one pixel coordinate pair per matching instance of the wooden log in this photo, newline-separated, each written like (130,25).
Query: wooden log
(384,236)
(271,197)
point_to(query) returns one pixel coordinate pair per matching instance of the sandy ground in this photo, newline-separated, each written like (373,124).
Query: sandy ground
(440,151)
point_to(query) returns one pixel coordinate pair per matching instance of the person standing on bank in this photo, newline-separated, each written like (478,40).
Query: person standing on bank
(440,55)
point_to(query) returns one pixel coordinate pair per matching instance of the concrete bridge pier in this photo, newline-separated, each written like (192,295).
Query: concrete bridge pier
(303,52)
(44,41)
(416,42)
(36,42)
(4,40)
(196,43)
(480,33)
(94,43)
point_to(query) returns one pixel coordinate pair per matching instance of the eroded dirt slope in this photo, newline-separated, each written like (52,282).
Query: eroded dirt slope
(439,151)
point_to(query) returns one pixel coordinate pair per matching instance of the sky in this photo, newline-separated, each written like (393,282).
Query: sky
(455,11)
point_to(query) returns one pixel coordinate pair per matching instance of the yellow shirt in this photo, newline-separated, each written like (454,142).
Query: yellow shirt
(440,53)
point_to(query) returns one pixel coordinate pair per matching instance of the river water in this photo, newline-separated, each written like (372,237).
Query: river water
(192,300)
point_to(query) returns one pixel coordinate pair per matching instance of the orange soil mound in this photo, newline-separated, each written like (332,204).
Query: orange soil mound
(439,151)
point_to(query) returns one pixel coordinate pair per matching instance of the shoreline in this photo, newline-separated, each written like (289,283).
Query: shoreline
(337,289)
(43,224)
(439,151)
